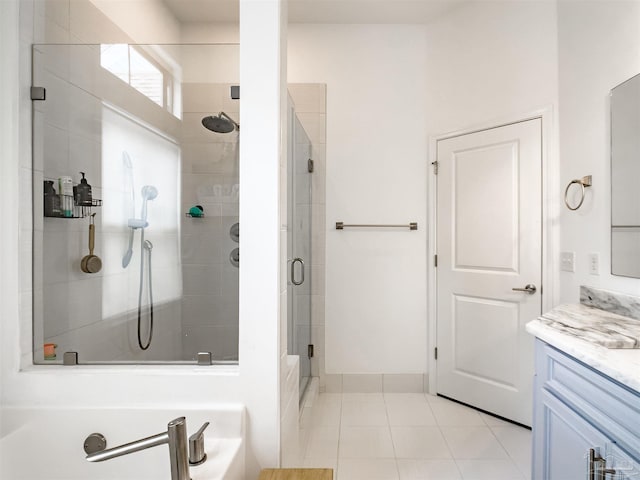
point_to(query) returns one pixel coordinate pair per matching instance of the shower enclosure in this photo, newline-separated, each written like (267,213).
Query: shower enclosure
(162,192)
(154,129)
(299,171)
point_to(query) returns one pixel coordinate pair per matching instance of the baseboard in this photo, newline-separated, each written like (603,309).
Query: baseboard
(376,383)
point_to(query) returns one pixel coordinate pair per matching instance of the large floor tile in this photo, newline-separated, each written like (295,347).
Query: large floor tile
(473,443)
(435,398)
(428,470)
(411,437)
(365,442)
(419,442)
(322,442)
(362,397)
(329,397)
(494,421)
(324,413)
(364,414)
(404,397)
(367,469)
(451,413)
(409,413)
(517,442)
(489,470)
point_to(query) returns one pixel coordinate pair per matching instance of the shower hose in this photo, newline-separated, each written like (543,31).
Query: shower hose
(145,246)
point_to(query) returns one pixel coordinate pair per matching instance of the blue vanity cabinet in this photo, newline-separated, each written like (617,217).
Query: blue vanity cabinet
(577,410)
(562,440)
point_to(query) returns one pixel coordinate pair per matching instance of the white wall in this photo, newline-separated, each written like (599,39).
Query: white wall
(490,60)
(376,173)
(263,111)
(256,382)
(143,20)
(598,47)
(491,63)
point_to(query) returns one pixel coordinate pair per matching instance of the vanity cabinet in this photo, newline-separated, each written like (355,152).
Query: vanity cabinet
(578,411)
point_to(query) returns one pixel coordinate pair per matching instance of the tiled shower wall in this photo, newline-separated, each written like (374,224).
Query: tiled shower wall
(310,104)
(209,179)
(68,129)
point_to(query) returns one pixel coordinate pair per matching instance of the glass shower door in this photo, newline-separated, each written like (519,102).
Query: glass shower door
(299,248)
(135,206)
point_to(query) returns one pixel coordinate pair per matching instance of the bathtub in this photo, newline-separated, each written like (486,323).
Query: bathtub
(47,443)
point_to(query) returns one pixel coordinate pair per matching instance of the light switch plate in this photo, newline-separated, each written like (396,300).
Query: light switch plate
(568,261)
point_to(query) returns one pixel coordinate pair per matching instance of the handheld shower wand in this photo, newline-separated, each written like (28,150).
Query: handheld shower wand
(147,246)
(149,192)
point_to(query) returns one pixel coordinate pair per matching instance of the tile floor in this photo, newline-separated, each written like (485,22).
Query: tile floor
(410,437)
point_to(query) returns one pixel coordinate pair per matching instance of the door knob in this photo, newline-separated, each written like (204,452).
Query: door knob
(529,288)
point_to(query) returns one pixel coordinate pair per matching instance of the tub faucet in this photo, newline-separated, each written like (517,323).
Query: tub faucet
(175,436)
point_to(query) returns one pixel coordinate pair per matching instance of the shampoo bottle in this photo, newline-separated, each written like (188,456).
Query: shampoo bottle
(65,186)
(83,193)
(51,200)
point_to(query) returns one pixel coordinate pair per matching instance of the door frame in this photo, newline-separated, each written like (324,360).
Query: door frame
(550,210)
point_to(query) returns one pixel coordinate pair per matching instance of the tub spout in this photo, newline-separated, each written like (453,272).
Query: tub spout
(175,437)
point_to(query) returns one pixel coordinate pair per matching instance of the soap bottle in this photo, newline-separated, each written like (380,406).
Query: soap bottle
(51,200)
(83,193)
(65,185)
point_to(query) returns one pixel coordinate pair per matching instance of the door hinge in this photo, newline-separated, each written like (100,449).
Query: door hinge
(310,351)
(435,164)
(435,260)
(435,353)
(38,93)
(310,166)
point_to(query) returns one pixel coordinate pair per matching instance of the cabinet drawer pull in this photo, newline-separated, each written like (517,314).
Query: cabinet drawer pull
(591,467)
(597,468)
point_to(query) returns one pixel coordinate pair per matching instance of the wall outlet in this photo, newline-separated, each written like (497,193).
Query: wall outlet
(594,263)
(568,261)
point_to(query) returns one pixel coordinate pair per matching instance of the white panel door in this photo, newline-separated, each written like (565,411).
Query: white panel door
(489,241)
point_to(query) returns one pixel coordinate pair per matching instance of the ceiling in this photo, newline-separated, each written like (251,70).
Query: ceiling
(321,11)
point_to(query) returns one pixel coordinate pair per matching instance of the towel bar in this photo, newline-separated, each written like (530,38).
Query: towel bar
(342,225)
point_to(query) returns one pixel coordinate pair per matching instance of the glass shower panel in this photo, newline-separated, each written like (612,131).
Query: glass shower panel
(299,248)
(138,262)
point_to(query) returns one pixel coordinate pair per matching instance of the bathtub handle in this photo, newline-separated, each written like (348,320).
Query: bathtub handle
(197,456)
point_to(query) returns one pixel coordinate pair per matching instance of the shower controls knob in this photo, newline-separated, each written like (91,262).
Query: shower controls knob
(234,257)
(234,232)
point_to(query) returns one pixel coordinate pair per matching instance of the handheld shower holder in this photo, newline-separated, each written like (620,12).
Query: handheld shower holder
(136,223)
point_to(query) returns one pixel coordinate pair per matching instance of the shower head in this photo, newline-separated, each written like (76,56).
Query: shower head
(221,123)
(149,192)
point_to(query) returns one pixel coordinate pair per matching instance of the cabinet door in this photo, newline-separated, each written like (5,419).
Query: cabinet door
(562,440)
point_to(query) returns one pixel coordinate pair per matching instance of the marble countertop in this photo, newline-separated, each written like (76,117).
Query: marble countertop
(594,325)
(582,331)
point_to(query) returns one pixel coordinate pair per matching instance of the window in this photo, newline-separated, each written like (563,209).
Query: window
(131,65)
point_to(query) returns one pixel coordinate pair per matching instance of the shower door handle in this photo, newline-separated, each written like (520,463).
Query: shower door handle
(293,271)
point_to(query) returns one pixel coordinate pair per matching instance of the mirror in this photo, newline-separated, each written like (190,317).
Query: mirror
(625,171)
